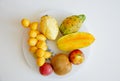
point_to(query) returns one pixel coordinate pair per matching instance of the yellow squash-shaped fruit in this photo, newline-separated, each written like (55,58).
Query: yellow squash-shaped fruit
(49,27)
(75,40)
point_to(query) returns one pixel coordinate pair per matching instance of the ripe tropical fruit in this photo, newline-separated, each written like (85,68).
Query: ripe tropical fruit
(61,64)
(40,53)
(76,57)
(33,33)
(32,41)
(46,69)
(41,44)
(40,61)
(34,26)
(71,24)
(49,27)
(47,55)
(41,37)
(25,22)
(75,41)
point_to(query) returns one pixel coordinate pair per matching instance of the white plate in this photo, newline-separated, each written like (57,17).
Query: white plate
(60,16)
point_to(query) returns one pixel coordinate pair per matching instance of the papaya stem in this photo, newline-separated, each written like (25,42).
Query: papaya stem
(82,17)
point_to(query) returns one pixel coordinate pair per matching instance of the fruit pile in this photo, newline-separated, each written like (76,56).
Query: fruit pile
(37,42)
(71,41)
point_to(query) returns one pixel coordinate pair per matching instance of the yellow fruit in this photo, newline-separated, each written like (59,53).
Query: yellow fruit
(41,37)
(32,41)
(75,40)
(34,26)
(40,53)
(25,22)
(41,44)
(49,27)
(47,54)
(44,47)
(33,49)
(33,33)
(40,61)
(37,32)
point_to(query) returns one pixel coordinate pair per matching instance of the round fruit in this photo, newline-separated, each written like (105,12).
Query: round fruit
(32,41)
(41,44)
(25,22)
(47,54)
(40,53)
(46,69)
(76,57)
(33,33)
(61,64)
(34,26)
(44,47)
(33,49)
(40,61)
(72,24)
(41,37)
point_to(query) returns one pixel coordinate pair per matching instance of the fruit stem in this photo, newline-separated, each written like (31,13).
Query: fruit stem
(82,17)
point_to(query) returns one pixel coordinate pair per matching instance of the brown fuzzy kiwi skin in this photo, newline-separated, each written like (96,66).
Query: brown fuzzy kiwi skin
(61,64)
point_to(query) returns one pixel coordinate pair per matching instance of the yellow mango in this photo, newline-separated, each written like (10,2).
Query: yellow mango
(75,41)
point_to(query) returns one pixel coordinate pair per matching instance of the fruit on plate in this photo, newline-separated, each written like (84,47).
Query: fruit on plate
(40,53)
(75,40)
(41,56)
(33,49)
(47,55)
(71,24)
(33,25)
(49,27)
(41,37)
(33,33)
(25,22)
(37,42)
(61,64)
(41,44)
(40,61)
(45,47)
(71,40)
(46,69)
(32,41)
(76,57)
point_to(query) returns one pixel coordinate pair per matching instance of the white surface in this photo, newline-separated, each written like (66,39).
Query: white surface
(103,18)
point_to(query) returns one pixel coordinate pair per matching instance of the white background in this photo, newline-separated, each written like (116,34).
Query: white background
(103,17)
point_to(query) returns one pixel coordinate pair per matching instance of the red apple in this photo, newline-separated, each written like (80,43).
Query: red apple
(76,57)
(46,69)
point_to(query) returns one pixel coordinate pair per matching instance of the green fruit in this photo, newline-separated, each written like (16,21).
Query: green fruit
(72,24)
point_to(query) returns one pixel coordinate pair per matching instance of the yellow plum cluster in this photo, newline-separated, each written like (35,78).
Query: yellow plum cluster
(36,42)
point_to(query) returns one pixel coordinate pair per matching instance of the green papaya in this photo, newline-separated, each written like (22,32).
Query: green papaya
(71,24)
